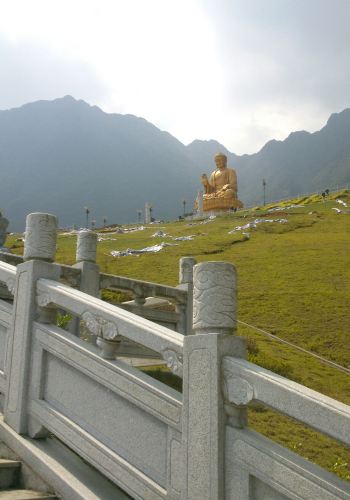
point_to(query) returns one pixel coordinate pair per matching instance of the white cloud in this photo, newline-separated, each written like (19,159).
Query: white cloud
(30,72)
(239,71)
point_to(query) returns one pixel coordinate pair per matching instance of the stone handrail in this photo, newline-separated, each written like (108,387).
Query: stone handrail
(86,276)
(109,322)
(245,382)
(10,258)
(7,280)
(68,273)
(139,288)
(7,272)
(143,289)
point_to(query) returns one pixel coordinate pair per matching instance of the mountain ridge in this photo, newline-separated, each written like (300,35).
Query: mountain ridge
(59,156)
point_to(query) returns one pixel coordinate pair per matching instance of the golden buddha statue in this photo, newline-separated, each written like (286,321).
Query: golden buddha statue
(220,191)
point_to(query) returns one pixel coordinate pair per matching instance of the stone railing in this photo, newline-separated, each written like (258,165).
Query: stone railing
(165,305)
(143,435)
(149,299)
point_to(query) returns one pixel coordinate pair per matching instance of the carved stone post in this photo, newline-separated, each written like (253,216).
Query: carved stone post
(186,283)
(40,237)
(214,298)
(186,270)
(90,271)
(86,261)
(39,253)
(139,295)
(214,319)
(86,247)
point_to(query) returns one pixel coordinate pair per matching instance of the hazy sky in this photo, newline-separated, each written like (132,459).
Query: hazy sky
(238,71)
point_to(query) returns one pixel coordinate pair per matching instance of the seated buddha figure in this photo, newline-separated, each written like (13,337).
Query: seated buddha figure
(220,191)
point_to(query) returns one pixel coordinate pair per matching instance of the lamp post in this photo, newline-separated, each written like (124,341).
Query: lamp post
(264,188)
(184,204)
(87,211)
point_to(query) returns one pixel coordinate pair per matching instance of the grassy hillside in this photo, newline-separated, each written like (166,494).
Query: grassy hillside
(294,282)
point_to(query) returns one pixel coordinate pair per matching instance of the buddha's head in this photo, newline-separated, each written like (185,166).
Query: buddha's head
(220,161)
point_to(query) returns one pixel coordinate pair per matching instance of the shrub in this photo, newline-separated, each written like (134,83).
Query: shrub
(62,320)
(252,346)
(115,296)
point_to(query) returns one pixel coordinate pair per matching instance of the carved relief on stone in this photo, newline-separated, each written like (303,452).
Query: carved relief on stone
(86,246)
(237,390)
(11,285)
(99,326)
(174,361)
(214,295)
(40,237)
(43,299)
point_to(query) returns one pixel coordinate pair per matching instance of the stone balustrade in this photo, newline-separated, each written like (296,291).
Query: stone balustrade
(148,297)
(141,434)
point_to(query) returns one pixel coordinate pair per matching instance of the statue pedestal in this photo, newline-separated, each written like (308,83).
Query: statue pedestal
(220,204)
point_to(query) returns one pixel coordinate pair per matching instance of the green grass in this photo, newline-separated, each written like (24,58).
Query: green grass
(293,281)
